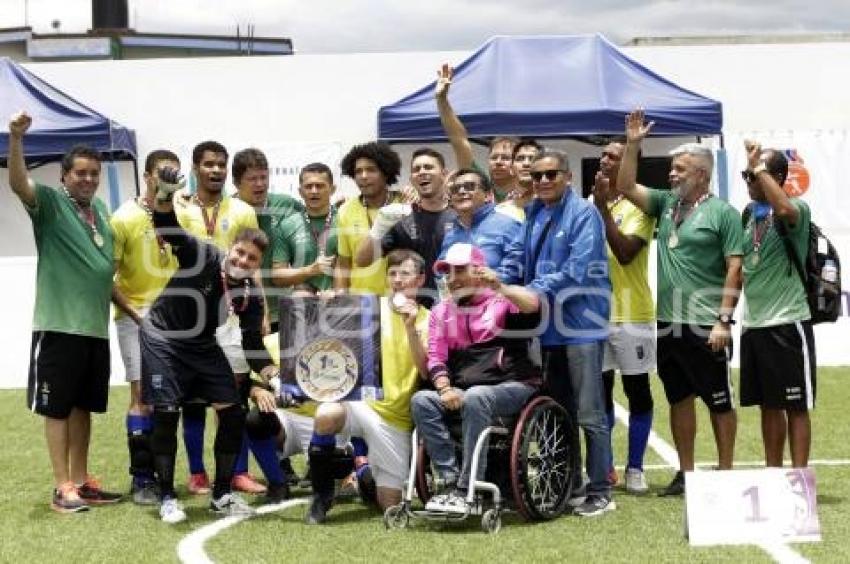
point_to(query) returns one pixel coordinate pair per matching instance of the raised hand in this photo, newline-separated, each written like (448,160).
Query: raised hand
(636,127)
(19,123)
(601,190)
(753,149)
(169,181)
(444,81)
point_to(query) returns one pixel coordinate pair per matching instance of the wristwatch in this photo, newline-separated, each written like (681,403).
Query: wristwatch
(725,319)
(761,167)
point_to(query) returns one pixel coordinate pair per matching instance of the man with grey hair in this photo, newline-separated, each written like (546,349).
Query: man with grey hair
(700,248)
(560,254)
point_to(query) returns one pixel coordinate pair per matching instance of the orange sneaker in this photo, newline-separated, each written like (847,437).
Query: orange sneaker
(199,484)
(245,483)
(67,500)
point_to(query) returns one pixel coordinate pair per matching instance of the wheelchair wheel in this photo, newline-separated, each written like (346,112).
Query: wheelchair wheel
(424,475)
(396,517)
(543,459)
(491,521)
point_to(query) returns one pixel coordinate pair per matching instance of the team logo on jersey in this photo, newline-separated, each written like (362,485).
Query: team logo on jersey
(326,370)
(797,182)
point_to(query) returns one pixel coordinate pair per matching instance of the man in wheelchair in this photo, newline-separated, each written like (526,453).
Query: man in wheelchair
(478,373)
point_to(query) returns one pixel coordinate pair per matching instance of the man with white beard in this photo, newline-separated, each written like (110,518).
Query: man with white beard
(700,249)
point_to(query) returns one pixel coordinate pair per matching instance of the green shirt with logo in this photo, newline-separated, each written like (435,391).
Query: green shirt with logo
(278,208)
(297,245)
(692,273)
(74,274)
(773,292)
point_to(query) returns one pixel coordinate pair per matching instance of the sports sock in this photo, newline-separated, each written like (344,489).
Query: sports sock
(194,423)
(228,439)
(640,425)
(265,453)
(139,429)
(242,462)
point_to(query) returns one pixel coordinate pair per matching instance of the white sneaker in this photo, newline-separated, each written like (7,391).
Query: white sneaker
(636,481)
(171,512)
(231,505)
(453,502)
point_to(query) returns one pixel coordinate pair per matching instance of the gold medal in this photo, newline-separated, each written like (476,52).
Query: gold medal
(673,240)
(97,238)
(754,260)
(163,257)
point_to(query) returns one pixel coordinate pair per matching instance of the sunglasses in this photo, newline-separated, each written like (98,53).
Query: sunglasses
(457,187)
(548,175)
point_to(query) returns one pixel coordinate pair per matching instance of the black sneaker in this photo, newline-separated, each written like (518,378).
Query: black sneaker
(66,499)
(93,494)
(676,487)
(319,507)
(595,504)
(144,491)
(275,493)
(366,486)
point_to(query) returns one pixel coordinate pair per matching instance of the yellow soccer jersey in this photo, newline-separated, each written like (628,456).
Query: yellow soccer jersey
(353,223)
(399,375)
(632,298)
(510,209)
(232,217)
(142,268)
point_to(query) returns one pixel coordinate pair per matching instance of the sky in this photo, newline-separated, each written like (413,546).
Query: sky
(334,26)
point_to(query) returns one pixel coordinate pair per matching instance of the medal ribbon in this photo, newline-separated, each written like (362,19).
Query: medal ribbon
(160,242)
(677,221)
(209,223)
(760,230)
(86,214)
(321,237)
(245,295)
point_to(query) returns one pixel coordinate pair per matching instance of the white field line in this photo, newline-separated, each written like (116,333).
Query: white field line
(190,550)
(747,464)
(781,553)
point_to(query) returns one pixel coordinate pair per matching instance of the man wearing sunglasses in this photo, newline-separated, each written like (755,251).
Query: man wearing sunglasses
(778,366)
(478,223)
(560,254)
(700,243)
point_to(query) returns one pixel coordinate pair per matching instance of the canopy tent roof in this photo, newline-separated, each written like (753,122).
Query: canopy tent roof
(58,121)
(551,86)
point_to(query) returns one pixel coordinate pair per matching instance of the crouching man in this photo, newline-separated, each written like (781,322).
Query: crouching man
(384,424)
(180,355)
(477,372)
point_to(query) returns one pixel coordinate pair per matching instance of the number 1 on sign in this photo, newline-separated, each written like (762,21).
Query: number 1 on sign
(753,493)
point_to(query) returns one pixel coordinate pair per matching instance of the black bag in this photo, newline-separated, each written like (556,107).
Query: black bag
(492,362)
(824,296)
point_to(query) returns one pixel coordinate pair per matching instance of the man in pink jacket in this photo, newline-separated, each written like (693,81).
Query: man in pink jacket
(477,373)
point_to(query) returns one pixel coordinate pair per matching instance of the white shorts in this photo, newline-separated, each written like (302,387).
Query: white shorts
(389,447)
(229,338)
(128,344)
(297,429)
(630,348)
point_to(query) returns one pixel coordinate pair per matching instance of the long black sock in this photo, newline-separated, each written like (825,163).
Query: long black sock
(164,448)
(228,440)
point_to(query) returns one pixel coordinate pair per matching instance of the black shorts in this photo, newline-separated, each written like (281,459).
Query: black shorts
(173,372)
(687,366)
(67,371)
(778,367)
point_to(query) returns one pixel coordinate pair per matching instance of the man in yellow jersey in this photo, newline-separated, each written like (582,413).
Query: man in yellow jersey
(631,338)
(384,424)
(212,216)
(143,265)
(374,167)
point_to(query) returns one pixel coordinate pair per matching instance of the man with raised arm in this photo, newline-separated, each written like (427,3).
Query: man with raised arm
(69,360)
(700,245)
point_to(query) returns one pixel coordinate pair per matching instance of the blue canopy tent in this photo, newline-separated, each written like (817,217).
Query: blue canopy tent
(551,87)
(59,121)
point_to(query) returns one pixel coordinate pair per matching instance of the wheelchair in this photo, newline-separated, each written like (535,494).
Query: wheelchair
(532,462)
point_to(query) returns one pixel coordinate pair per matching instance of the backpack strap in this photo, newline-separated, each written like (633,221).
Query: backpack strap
(792,254)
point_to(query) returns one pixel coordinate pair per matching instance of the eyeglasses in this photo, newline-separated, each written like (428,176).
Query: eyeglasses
(464,186)
(748,176)
(549,175)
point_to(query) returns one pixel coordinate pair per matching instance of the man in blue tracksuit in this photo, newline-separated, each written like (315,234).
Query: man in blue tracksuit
(478,222)
(560,253)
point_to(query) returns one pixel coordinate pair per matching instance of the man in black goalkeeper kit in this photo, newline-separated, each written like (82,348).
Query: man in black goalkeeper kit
(180,356)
